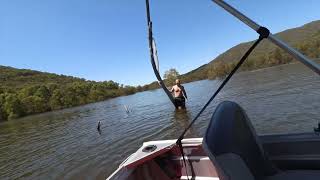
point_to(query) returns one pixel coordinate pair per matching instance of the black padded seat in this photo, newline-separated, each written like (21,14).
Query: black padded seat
(234,148)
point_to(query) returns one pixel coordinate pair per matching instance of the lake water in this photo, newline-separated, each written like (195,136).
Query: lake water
(66,144)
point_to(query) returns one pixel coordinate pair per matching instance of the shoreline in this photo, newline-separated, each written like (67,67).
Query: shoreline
(69,108)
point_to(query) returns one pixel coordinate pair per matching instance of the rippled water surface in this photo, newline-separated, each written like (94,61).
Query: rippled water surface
(66,145)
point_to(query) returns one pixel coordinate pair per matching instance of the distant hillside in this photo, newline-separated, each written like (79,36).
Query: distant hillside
(24,92)
(305,38)
(14,78)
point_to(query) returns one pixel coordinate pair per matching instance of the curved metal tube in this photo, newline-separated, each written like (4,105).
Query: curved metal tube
(153,53)
(296,54)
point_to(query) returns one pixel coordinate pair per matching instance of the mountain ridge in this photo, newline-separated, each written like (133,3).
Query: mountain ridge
(295,37)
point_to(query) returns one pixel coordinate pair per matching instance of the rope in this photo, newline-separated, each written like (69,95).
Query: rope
(264,33)
(220,87)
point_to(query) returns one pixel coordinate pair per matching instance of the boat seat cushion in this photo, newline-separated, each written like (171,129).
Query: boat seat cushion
(296,175)
(230,131)
(234,167)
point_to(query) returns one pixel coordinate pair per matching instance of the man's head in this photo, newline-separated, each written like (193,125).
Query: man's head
(177,81)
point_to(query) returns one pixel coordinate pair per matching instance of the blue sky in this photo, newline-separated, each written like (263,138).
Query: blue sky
(107,39)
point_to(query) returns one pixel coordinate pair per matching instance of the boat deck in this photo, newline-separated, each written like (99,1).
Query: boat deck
(166,163)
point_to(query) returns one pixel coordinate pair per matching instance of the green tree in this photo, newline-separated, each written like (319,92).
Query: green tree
(129,90)
(34,104)
(27,91)
(80,91)
(3,114)
(12,106)
(110,84)
(56,100)
(276,57)
(52,86)
(43,92)
(171,75)
(139,88)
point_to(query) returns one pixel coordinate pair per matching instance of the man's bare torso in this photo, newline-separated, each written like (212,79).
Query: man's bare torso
(178,90)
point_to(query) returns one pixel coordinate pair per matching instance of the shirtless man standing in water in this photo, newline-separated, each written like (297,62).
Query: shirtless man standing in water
(179,94)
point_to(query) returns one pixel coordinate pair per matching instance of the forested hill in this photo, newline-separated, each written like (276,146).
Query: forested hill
(24,92)
(14,78)
(305,38)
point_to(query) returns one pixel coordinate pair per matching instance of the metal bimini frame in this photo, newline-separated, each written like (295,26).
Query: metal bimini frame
(154,56)
(263,33)
(253,25)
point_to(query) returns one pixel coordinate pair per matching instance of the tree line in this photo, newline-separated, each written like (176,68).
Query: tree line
(31,99)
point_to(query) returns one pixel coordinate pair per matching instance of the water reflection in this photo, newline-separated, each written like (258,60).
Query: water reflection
(181,119)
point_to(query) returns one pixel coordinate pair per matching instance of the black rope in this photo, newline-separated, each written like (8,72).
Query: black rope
(221,86)
(264,33)
(184,160)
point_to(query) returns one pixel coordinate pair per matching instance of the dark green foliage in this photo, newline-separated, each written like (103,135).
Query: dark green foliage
(56,100)
(12,106)
(24,92)
(3,115)
(34,104)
